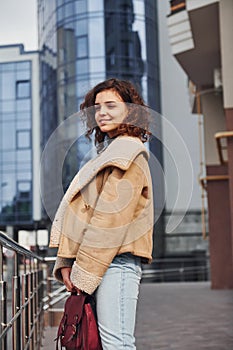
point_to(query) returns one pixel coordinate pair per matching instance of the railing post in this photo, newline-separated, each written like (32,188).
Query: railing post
(3,302)
(16,327)
(3,313)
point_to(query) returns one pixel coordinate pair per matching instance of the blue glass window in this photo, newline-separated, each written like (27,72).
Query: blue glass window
(23,105)
(69,10)
(15,142)
(60,14)
(8,106)
(7,86)
(80,6)
(23,139)
(23,186)
(82,46)
(23,124)
(82,66)
(23,89)
(25,65)
(8,67)
(81,27)
(8,156)
(23,75)
(23,156)
(8,135)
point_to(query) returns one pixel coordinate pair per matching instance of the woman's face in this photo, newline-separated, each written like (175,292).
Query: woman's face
(110,111)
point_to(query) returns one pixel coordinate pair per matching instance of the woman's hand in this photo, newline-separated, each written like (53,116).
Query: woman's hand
(65,272)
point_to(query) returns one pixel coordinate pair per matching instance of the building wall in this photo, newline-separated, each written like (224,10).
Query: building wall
(176,108)
(181,169)
(19,125)
(226,30)
(214,121)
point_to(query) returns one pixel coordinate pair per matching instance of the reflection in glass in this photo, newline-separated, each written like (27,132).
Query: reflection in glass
(15,126)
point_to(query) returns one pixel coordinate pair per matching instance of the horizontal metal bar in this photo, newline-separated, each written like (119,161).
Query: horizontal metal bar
(205,179)
(9,243)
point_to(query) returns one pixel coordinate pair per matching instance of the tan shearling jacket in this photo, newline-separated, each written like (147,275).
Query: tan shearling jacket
(106,211)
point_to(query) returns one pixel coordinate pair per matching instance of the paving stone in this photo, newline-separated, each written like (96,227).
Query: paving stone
(179,316)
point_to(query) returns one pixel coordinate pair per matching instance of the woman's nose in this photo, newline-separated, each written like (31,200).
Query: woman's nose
(102,110)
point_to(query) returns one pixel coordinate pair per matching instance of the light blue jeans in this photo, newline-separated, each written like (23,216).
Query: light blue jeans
(116,302)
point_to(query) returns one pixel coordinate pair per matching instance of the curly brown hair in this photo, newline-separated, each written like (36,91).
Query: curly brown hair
(136,121)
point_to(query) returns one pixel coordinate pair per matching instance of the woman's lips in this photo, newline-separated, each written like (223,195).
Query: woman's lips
(104,121)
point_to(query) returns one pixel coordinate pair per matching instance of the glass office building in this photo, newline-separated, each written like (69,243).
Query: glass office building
(19,201)
(85,41)
(81,43)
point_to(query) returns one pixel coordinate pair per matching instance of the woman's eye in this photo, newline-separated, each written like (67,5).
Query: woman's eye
(111,106)
(97,108)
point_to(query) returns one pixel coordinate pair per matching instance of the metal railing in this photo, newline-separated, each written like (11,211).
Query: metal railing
(22,289)
(28,294)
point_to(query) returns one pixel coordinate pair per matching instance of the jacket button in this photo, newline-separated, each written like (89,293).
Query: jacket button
(87,206)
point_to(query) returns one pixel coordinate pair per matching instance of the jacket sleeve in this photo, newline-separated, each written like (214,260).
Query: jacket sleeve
(59,264)
(114,211)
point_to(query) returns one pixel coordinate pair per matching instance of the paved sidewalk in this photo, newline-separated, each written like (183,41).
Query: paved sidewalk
(184,316)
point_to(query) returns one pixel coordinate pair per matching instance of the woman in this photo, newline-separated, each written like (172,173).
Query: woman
(103,227)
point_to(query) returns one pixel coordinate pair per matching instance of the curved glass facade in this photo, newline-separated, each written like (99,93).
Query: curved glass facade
(83,42)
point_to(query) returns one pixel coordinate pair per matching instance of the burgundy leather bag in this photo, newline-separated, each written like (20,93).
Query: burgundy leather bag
(78,328)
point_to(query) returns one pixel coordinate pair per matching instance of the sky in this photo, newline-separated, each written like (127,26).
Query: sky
(18,23)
